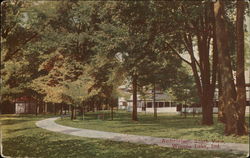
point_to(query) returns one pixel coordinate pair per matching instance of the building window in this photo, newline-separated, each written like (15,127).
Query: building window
(139,104)
(248,94)
(216,103)
(161,105)
(173,104)
(149,105)
(124,104)
(167,104)
(248,103)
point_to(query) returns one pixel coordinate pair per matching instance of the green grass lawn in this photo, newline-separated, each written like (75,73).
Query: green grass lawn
(167,125)
(21,138)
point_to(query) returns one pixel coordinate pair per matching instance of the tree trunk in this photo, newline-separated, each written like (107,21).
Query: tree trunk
(240,69)
(207,110)
(72,112)
(45,108)
(36,109)
(61,113)
(134,113)
(181,108)
(193,112)
(221,108)
(54,109)
(154,104)
(83,112)
(185,112)
(93,105)
(229,92)
(216,73)
(65,110)
(112,112)
(207,93)
(203,83)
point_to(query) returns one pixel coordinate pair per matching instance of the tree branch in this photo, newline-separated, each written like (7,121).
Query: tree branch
(189,46)
(8,56)
(176,53)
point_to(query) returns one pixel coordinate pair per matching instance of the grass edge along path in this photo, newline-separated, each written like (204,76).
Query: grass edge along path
(166,126)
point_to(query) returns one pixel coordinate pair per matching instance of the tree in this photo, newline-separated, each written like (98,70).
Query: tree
(127,45)
(200,26)
(240,69)
(19,64)
(64,51)
(107,75)
(187,28)
(227,81)
(184,88)
(78,91)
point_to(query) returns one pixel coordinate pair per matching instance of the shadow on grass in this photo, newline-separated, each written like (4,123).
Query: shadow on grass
(28,141)
(13,121)
(172,121)
(35,146)
(21,129)
(172,126)
(175,121)
(32,146)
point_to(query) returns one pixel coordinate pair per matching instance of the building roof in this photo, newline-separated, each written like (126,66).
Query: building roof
(24,99)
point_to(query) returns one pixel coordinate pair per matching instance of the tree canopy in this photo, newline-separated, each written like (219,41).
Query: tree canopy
(75,52)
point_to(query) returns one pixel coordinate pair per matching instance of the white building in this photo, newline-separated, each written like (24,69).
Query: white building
(165,104)
(145,104)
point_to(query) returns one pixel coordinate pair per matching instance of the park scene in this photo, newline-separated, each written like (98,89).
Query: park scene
(125,79)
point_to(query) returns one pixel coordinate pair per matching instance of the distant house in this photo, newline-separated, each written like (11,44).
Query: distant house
(164,103)
(25,105)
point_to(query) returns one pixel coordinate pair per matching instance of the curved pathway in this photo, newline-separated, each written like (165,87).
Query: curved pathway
(49,124)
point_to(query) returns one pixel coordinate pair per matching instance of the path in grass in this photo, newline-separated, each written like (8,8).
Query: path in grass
(166,126)
(49,124)
(21,138)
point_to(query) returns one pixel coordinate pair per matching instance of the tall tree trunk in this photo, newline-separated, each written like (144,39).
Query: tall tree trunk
(240,69)
(205,87)
(154,104)
(229,92)
(207,94)
(207,110)
(221,111)
(216,72)
(134,82)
